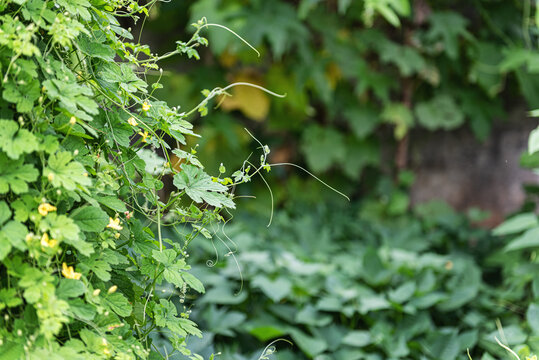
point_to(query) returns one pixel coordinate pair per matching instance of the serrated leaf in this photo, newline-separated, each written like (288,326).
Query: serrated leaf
(66,173)
(199,186)
(447,26)
(93,48)
(165,257)
(82,309)
(15,175)
(442,112)
(15,141)
(117,303)
(70,288)
(90,218)
(193,282)
(165,315)
(23,93)
(9,298)
(322,147)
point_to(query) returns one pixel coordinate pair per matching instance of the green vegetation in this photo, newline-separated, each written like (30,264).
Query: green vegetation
(115,240)
(81,245)
(364,282)
(361,77)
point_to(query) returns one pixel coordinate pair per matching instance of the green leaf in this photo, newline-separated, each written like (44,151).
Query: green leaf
(532,317)
(276,289)
(223,322)
(79,7)
(23,93)
(357,338)
(70,288)
(447,26)
(117,303)
(309,345)
(90,218)
(165,257)
(165,316)
(99,265)
(374,271)
(362,120)
(9,298)
(403,292)
(15,141)
(199,186)
(516,224)
(222,294)
(439,113)
(66,173)
(5,212)
(96,49)
(12,234)
(399,115)
(309,315)
(193,282)
(112,202)
(530,239)
(74,98)
(533,141)
(322,147)
(372,303)
(62,228)
(15,175)
(82,309)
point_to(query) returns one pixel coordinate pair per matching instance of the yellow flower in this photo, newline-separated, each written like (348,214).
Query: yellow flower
(46,242)
(131,121)
(45,208)
(69,273)
(112,289)
(144,135)
(146,106)
(534,357)
(73,120)
(114,224)
(50,177)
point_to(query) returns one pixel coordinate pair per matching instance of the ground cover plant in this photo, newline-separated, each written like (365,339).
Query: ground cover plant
(365,282)
(84,149)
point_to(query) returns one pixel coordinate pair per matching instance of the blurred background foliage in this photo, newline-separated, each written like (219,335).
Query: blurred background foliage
(359,76)
(378,278)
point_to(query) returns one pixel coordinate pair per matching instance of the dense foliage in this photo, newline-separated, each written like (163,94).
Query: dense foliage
(362,79)
(79,182)
(360,76)
(365,282)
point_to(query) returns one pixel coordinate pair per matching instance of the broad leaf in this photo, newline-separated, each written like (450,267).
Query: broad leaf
(199,186)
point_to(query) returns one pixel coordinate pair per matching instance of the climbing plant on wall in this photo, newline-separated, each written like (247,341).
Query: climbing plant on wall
(360,76)
(85,148)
